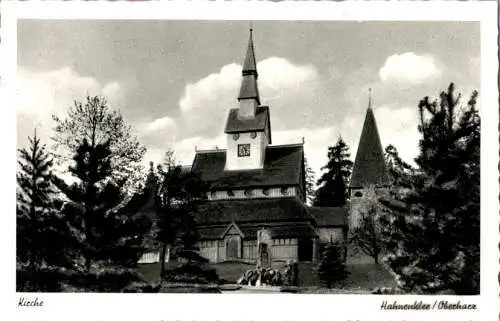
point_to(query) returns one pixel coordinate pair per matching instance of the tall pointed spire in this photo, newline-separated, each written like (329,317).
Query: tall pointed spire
(369,165)
(249,89)
(249,65)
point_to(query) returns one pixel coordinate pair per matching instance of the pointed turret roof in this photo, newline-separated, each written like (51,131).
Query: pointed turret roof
(369,165)
(249,89)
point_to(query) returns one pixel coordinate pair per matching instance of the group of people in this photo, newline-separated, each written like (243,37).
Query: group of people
(273,277)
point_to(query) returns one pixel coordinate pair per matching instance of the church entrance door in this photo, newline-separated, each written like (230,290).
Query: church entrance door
(305,249)
(232,249)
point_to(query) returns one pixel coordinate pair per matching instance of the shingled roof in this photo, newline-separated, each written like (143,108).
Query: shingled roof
(282,167)
(236,124)
(250,230)
(369,165)
(252,211)
(329,216)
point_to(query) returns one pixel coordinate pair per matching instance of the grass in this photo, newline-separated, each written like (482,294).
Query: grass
(231,271)
(151,272)
(363,278)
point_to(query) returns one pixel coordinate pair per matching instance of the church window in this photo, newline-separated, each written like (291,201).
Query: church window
(358,194)
(243,150)
(253,135)
(265,191)
(236,136)
(248,193)
(230,193)
(284,191)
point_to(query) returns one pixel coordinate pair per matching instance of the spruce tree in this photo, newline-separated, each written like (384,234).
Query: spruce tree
(431,231)
(333,184)
(331,268)
(399,170)
(41,232)
(309,177)
(107,232)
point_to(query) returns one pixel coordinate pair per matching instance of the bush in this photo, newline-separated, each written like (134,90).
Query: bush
(390,290)
(39,280)
(331,268)
(141,287)
(191,273)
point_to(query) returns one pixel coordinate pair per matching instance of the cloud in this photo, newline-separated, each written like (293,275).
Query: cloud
(184,149)
(282,84)
(316,144)
(286,87)
(40,95)
(409,68)
(204,105)
(159,124)
(398,126)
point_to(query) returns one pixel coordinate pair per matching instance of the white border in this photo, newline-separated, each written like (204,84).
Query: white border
(254,307)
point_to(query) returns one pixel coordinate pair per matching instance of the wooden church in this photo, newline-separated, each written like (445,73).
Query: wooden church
(256,208)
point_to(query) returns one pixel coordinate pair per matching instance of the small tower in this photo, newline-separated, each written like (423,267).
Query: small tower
(369,166)
(248,127)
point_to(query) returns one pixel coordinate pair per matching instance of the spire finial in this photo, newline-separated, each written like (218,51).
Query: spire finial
(369,98)
(251,29)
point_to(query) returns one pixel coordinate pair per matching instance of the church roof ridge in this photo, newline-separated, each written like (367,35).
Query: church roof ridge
(286,145)
(212,150)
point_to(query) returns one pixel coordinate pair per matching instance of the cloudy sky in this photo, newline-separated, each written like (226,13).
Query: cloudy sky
(174,81)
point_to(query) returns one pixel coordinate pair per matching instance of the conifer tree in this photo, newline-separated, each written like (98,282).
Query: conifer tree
(331,268)
(41,231)
(399,170)
(309,176)
(431,231)
(108,234)
(333,184)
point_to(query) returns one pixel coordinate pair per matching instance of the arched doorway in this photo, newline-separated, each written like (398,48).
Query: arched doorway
(233,248)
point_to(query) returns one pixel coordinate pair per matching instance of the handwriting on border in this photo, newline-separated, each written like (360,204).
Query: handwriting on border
(29,302)
(420,305)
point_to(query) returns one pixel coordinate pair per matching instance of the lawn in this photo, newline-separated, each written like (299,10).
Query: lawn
(230,272)
(363,278)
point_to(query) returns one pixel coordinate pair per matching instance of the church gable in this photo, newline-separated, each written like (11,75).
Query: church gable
(232,229)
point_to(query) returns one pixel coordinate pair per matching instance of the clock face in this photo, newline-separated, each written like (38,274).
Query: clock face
(243,150)
(236,136)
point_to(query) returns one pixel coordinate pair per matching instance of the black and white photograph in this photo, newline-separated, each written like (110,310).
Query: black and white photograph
(250,156)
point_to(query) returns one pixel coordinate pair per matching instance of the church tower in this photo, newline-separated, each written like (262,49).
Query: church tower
(369,166)
(248,128)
